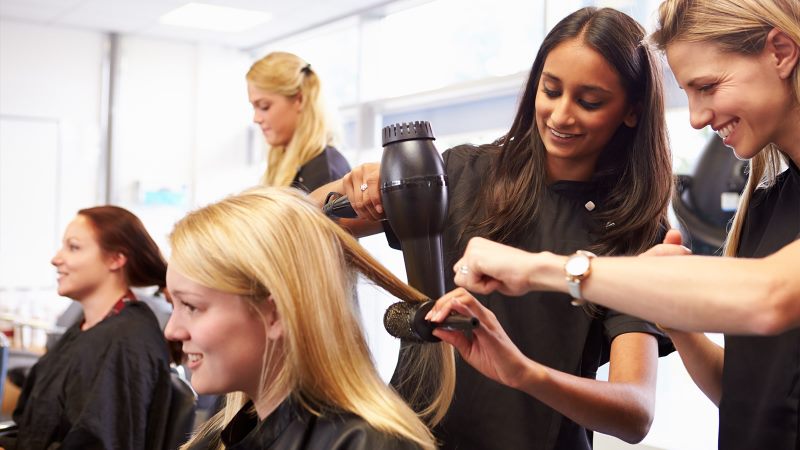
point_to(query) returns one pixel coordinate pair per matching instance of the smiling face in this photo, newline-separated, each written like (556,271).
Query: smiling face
(81,264)
(223,335)
(277,115)
(742,97)
(580,104)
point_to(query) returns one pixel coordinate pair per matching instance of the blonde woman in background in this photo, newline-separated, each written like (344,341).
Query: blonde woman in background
(738,61)
(286,96)
(264,308)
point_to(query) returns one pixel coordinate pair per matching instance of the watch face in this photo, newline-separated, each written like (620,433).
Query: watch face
(577,265)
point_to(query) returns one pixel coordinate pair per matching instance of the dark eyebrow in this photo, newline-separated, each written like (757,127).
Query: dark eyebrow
(584,87)
(550,75)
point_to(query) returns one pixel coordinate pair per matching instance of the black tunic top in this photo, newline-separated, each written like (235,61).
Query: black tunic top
(322,169)
(544,325)
(292,427)
(103,388)
(760,404)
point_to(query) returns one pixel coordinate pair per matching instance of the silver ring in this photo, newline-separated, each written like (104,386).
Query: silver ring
(464,270)
(364,187)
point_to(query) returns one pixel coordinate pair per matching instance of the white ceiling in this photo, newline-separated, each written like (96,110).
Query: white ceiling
(140,17)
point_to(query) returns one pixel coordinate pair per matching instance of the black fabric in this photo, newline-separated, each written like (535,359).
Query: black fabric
(545,326)
(104,388)
(327,166)
(292,427)
(760,404)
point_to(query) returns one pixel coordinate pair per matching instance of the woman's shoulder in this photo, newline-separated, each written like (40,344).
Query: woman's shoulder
(468,163)
(134,329)
(339,430)
(469,154)
(327,166)
(336,159)
(138,315)
(789,180)
(292,426)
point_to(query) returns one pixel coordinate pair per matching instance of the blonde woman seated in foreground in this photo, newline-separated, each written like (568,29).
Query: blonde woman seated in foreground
(262,284)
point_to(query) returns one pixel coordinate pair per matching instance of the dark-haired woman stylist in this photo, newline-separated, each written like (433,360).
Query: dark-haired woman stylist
(584,165)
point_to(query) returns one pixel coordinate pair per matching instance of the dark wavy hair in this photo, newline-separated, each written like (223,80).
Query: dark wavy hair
(120,231)
(634,170)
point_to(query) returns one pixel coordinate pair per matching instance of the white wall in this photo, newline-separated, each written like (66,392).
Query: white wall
(181,136)
(50,85)
(55,74)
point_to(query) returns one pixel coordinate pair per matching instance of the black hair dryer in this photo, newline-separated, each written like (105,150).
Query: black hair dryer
(414,197)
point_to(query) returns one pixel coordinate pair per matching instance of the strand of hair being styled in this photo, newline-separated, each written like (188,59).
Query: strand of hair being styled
(735,26)
(288,75)
(429,376)
(272,242)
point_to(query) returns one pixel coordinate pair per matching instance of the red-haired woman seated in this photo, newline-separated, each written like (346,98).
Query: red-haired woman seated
(106,383)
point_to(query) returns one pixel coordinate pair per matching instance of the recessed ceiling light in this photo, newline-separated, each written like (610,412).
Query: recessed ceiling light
(215,18)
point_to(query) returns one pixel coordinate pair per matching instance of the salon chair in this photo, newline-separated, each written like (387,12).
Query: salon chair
(706,201)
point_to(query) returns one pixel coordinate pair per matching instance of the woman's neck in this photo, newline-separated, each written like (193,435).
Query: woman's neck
(97,305)
(265,406)
(561,169)
(790,140)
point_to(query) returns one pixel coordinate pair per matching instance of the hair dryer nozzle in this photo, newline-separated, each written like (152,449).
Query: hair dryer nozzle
(337,205)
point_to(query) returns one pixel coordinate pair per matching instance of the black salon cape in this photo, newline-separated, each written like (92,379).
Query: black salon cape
(544,325)
(760,404)
(322,169)
(104,388)
(292,427)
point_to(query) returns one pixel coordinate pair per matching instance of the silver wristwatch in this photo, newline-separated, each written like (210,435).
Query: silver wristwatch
(577,268)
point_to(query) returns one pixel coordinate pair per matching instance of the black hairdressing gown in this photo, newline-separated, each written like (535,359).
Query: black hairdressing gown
(322,169)
(292,427)
(544,325)
(104,388)
(760,404)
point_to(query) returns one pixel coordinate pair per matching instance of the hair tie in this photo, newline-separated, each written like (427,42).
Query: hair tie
(307,69)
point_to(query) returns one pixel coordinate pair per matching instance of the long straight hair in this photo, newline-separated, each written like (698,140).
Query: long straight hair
(735,26)
(288,75)
(635,167)
(272,242)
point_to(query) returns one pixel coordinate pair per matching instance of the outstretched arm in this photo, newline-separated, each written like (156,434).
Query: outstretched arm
(703,360)
(692,293)
(366,203)
(622,407)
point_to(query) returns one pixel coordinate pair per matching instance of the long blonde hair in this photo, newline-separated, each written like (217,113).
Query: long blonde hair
(288,75)
(736,26)
(272,242)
